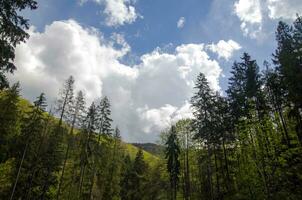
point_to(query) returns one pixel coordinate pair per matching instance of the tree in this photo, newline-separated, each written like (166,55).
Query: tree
(86,177)
(244,85)
(112,183)
(77,110)
(202,102)
(12,26)
(104,119)
(31,130)
(9,117)
(137,177)
(288,61)
(125,183)
(65,101)
(185,137)
(172,153)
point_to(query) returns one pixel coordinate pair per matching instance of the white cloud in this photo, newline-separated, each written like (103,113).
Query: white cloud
(253,13)
(118,12)
(181,22)
(250,15)
(224,49)
(286,9)
(249,11)
(145,97)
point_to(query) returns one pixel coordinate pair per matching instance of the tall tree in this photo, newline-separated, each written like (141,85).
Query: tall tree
(77,110)
(12,32)
(86,177)
(31,131)
(172,155)
(65,101)
(104,118)
(9,116)
(138,176)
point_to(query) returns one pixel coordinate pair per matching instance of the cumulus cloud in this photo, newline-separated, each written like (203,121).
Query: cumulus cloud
(181,22)
(118,12)
(224,49)
(253,12)
(250,15)
(286,9)
(145,97)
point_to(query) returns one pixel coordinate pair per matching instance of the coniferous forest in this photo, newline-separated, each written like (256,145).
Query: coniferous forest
(245,143)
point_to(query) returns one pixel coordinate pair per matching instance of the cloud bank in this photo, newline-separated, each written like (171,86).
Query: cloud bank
(145,97)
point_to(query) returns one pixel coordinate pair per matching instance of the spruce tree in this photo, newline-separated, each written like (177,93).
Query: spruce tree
(138,175)
(125,182)
(87,172)
(65,101)
(172,152)
(77,110)
(31,134)
(104,118)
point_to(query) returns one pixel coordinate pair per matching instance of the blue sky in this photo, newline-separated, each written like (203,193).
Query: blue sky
(130,50)
(206,21)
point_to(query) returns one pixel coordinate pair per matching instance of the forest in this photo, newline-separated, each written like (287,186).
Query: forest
(244,143)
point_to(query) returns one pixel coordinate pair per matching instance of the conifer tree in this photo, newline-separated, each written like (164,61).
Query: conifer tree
(125,183)
(86,177)
(9,116)
(77,110)
(65,101)
(137,178)
(172,153)
(112,183)
(31,131)
(104,120)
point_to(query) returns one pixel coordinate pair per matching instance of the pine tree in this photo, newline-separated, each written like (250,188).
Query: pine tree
(137,178)
(104,119)
(125,183)
(103,124)
(172,153)
(112,182)
(31,134)
(77,110)
(65,101)
(87,172)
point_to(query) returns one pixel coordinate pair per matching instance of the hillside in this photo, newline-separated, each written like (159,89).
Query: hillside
(150,154)
(152,148)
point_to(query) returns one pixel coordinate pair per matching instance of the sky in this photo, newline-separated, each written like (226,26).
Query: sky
(144,55)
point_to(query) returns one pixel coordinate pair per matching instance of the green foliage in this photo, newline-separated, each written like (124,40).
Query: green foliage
(246,145)
(12,26)
(172,152)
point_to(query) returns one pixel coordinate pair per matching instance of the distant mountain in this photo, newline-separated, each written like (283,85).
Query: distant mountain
(152,148)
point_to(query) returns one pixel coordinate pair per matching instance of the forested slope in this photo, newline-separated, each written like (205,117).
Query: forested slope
(40,154)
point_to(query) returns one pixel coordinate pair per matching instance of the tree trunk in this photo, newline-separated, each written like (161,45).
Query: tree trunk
(19,170)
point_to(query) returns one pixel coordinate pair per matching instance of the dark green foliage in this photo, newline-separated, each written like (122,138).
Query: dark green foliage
(9,117)
(172,152)
(12,32)
(104,120)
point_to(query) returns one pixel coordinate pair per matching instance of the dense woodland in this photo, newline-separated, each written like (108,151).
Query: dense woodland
(243,144)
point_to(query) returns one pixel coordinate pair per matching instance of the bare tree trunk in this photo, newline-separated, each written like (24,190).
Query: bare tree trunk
(19,171)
